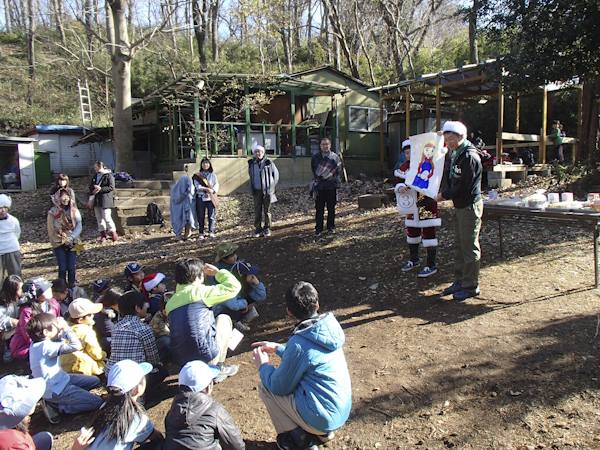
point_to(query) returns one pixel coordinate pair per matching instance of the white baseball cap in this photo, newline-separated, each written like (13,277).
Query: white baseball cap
(127,374)
(197,375)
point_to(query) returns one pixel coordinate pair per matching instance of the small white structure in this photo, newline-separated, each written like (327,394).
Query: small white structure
(73,161)
(17,164)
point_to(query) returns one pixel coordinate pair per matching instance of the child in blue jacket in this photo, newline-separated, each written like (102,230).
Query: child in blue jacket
(313,369)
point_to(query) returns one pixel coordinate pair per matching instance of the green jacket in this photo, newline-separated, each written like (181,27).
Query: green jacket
(556,136)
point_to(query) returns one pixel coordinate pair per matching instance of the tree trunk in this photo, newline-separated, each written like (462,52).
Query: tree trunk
(589,126)
(58,15)
(334,19)
(286,40)
(473,53)
(214,23)
(30,51)
(121,70)
(200,17)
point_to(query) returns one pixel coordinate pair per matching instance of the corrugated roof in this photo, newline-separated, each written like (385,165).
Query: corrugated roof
(186,87)
(475,82)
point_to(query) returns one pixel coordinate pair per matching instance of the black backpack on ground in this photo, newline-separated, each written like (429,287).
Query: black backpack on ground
(154,215)
(527,156)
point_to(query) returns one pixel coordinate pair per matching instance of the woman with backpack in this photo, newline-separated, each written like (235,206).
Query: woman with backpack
(101,200)
(206,185)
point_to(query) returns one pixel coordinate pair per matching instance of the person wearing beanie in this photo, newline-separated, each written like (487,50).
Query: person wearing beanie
(465,193)
(263,179)
(10,232)
(196,420)
(420,227)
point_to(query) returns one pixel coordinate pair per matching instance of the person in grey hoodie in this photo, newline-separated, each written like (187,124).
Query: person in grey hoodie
(263,179)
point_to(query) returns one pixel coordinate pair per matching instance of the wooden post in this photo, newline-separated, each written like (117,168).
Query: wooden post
(171,134)
(423,117)
(500,123)
(381,135)
(407,116)
(438,106)
(518,114)
(579,123)
(248,136)
(544,122)
(197,127)
(293,112)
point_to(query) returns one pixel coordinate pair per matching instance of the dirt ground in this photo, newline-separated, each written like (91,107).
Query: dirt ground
(516,368)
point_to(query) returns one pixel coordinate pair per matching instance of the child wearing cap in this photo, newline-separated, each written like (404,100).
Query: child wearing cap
(100,286)
(90,359)
(154,288)
(108,317)
(241,308)
(134,274)
(121,421)
(10,232)
(38,292)
(196,420)
(68,394)
(133,339)
(309,395)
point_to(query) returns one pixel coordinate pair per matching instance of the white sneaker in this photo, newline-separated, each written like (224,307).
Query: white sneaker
(241,326)
(211,235)
(225,371)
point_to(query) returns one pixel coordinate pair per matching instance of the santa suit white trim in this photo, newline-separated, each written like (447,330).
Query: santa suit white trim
(430,242)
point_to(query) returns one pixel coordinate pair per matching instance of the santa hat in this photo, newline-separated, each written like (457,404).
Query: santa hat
(405,144)
(154,279)
(455,127)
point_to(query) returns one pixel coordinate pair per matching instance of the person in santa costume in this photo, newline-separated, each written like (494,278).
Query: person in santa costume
(420,229)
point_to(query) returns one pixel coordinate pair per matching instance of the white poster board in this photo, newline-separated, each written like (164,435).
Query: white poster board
(427,154)
(407,202)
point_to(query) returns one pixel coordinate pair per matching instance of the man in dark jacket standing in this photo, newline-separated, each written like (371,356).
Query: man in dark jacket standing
(326,166)
(263,179)
(465,193)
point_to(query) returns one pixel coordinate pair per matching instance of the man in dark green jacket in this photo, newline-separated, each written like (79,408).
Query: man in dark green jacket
(465,193)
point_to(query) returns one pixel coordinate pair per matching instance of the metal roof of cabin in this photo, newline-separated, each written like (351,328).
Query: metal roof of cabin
(186,86)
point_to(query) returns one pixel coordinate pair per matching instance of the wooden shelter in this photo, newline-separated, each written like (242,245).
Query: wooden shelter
(467,86)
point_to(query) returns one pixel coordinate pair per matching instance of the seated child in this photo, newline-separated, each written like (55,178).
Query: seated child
(64,295)
(153,288)
(11,297)
(160,328)
(100,286)
(106,319)
(121,421)
(90,359)
(226,256)
(64,393)
(133,339)
(134,274)
(196,420)
(38,294)
(241,308)
(309,395)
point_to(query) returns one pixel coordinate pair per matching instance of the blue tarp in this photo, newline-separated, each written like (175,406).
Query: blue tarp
(58,129)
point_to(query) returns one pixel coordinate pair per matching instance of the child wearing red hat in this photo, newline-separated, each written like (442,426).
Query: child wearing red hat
(153,288)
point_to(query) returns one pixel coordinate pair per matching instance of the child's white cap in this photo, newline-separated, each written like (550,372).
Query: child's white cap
(455,126)
(197,375)
(127,374)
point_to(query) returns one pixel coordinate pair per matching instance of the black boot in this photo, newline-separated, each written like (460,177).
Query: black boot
(414,258)
(430,269)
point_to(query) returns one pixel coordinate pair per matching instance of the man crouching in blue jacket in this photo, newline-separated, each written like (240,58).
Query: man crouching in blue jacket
(309,395)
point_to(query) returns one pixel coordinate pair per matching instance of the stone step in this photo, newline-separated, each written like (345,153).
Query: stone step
(137,202)
(141,220)
(163,176)
(141,229)
(370,201)
(140,210)
(135,192)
